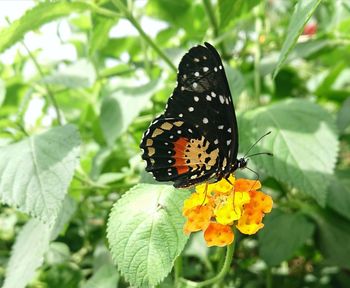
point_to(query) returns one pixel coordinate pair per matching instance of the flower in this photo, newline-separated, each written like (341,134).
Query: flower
(215,208)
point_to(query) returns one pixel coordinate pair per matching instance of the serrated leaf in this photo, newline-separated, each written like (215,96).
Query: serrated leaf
(121,106)
(301,14)
(303,140)
(80,74)
(2,92)
(27,254)
(36,17)
(282,235)
(145,232)
(339,193)
(35,173)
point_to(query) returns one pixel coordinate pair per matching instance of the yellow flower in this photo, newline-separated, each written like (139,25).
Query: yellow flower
(215,207)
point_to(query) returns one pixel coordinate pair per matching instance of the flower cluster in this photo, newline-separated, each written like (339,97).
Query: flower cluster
(214,208)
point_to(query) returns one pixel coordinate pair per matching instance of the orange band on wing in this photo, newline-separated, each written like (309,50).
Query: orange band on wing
(179,147)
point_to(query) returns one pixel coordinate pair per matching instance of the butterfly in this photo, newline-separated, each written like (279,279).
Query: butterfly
(196,138)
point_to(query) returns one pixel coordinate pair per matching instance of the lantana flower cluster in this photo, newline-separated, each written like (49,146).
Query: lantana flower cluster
(215,208)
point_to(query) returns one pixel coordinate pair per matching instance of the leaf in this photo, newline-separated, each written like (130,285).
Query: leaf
(2,92)
(230,10)
(27,254)
(236,82)
(105,277)
(100,33)
(282,235)
(35,173)
(302,13)
(121,106)
(66,212)
(333,238)
(145,232)
(300,130)
(80,74)
(339,193)
(343,119)
(36,17)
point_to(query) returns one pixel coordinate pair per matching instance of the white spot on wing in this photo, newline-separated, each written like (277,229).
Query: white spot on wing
(190,109)
(228,142)
(221,127)
(196,98)
(205,69)
(196,74)
(222,99)
(205,120)
(195,85)
(208,98)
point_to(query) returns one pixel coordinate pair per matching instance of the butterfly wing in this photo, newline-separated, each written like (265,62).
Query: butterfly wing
(202,102)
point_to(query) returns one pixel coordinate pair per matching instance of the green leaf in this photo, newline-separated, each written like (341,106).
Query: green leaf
(302,13)
(121,106)
(236,82)
(339,193)
(80,74)
(36,17)
(35,173)
(99,33)
(105,277)
(343,119)
(300,130)
(333,238)
(145,232)
(2,92)
(282,235)
(27,254)
(230,10)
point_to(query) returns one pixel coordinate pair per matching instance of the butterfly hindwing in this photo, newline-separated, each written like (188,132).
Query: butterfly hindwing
(202,102)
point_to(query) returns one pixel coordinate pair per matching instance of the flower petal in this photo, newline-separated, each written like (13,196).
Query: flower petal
(194,200)
(247,225)
(198,218)
(218,235)
(247,185)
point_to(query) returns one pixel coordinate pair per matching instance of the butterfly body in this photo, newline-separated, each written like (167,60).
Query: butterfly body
(196,138)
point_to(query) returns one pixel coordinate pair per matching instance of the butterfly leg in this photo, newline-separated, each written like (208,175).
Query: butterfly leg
(205,192)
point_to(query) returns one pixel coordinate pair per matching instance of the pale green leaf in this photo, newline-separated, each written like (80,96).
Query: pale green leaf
(80,74)
(36,172)
(121,106)
(27,254)
(145,232)
(105,277)
(2,92)
(303,140)
(282,235)
(36,17)
(302,13)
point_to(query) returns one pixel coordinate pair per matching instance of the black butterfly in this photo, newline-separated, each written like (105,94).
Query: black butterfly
(196,138)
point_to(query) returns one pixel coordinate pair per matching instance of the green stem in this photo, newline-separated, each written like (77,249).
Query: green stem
(120,5)
(224,270)
(178,270)
(257,54)
(268,278)
(49,93)
(213,22)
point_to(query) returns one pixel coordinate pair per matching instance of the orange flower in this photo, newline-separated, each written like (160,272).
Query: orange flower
(215,208)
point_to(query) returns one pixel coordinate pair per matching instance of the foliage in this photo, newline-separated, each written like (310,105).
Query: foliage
(77,207)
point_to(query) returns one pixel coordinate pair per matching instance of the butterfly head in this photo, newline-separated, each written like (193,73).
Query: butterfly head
(241,163)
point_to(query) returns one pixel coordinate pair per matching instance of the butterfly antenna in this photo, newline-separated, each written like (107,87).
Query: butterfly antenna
(256,180)
(256,143)
(260,153)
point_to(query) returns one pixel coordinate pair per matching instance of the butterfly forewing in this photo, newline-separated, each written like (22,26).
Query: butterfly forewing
(205,144)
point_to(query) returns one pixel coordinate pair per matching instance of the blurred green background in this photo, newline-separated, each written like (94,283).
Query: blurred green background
(91,76)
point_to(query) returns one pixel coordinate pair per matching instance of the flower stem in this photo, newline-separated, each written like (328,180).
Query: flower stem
(224,270)
(49,93)
(178,270)
(120,5)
